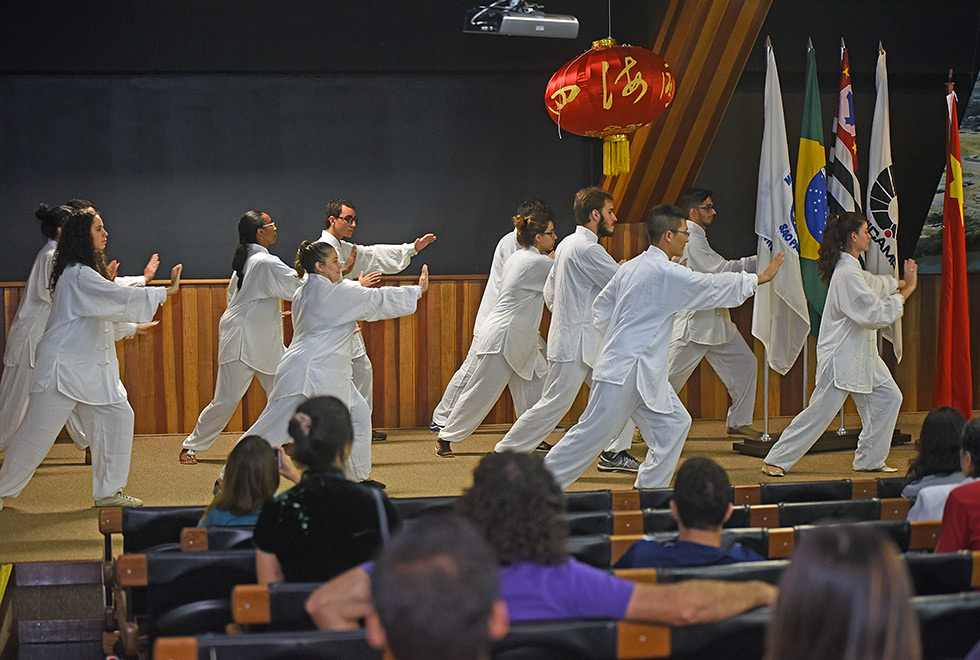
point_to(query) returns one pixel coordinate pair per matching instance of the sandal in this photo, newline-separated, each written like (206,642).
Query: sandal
(773,470)
(188,457)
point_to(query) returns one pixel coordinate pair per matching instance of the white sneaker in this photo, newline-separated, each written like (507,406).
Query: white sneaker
(119,499)
(1,504)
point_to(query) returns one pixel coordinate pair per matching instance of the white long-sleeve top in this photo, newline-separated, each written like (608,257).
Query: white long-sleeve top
(582,268)
(77,353)
(858,304)
(250,329)
(711,327)
(325,316)
(32,315)
(506,246)
(512,325)
(386,259)
(635,313)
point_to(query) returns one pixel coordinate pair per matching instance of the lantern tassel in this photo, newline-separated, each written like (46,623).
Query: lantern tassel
(615,155)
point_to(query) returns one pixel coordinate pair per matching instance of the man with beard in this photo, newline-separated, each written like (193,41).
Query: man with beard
(582,267)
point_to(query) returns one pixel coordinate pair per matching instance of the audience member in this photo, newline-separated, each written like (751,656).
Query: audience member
(518,507)
(931,501)
(325,524)
(938,460)
(435,591)
(251,477)
(961,514)
(846,595)
(702,504)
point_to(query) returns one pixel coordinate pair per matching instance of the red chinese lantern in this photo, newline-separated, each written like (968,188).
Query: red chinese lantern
(608,92)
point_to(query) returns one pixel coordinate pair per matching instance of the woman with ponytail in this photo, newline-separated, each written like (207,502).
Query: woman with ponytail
(26,330)
(326,309)
(858,304)
(250,330)
(509,348)
(76,367)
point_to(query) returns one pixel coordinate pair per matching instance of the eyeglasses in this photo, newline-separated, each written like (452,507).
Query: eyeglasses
(681,231)
(271,224)
(549,233)
(707,207)
(349,219)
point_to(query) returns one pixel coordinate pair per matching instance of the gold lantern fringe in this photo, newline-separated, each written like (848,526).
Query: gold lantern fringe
(615,155)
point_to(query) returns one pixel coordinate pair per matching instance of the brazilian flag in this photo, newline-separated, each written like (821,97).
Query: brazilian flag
(810,197)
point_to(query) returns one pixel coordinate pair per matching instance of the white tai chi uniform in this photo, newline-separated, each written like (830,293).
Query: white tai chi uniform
(509,349)
(77,370)
(858,304)
(506,246)
(249,340)
(386,259)
(22,340)
(635,313)
(582,268)
(710,333)
(318,360)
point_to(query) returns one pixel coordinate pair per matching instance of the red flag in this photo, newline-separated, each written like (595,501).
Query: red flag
(954,382)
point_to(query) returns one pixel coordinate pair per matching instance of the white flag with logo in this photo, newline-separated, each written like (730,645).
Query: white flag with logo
(780,319)
(882,200)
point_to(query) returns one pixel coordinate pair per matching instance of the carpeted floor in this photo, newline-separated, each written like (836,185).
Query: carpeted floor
(53,519)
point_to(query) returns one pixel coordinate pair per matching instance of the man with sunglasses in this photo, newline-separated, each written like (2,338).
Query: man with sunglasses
(710,333)
(365,263)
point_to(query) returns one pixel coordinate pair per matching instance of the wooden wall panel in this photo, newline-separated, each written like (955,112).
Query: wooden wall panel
(170,371)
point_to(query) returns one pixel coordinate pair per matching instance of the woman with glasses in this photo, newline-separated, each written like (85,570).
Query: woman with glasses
(510,349)
(250,330)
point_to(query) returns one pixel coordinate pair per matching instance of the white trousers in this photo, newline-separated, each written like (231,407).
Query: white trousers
(273,425)
(735,365)
(230,386)
(364,379)
(15,387)
(561,386)
(878,411)
(491,375)
(609,407)
(455,387)
(108,427)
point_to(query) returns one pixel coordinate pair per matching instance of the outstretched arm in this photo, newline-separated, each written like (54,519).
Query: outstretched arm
(423,242)
(697,601)
(342,602)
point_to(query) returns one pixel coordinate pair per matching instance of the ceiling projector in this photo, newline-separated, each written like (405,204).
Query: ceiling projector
(518,18)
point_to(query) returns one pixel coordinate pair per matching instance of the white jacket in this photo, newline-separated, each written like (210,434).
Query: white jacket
(250,330)
(582,268)
(506,246)
(711,327)
(77,353)
(635,313)
(512,325)
(325,316)
(858,304)
(32,314)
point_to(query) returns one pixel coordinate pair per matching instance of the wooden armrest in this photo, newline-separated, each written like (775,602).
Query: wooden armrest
(175,648)
(764,515)
(923,534)
(747,494)
(194,539)
(638,574)
(618,545)
(250,604)
(110,520)
(642,640)
(782,542)
(895,508)
(864,489)
(628,522)
(975,579)
(626,500)
(131,570)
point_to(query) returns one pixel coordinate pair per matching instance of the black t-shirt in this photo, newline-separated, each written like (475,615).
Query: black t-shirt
(322,526)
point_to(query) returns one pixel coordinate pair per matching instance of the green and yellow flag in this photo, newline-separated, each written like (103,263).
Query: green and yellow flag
(811,194)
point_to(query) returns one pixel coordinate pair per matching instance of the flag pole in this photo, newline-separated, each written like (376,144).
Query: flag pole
(765,396)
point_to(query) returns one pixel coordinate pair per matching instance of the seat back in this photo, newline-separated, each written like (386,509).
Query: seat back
(153,528)
(805,491)
(792,514)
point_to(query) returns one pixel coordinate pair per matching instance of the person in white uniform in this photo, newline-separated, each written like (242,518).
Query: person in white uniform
(28,326)
(710,333)
(506,246)
(509,352)
(77,368)
(635,314)
(582,268)
(250,330)
(858,304)
(326,309)
(366,264)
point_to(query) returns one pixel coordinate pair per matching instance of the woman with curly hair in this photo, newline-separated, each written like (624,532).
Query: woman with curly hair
(858,304)
(517,507)
(76,367)
(326,309)
(250,330)
(846,595)
(938,460)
